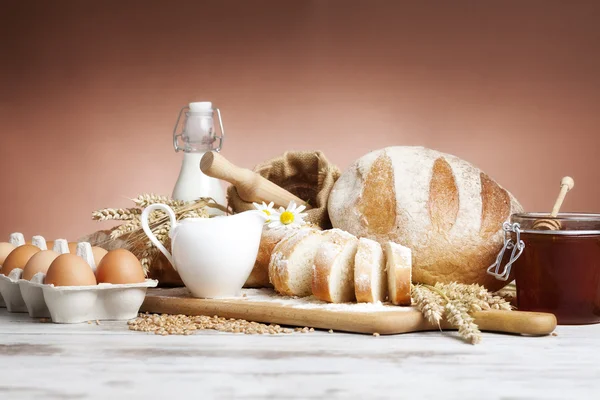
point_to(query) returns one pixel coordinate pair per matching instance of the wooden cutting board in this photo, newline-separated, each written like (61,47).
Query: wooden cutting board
(263,305)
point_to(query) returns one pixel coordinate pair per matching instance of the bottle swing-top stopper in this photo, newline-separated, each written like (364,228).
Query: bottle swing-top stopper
(566,184)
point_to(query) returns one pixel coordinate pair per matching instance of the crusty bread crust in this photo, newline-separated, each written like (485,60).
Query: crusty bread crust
(369,257)
(443,197)
(401,295)
(278,272)
(445,209)
(329,251)
(399,268)
(322,271)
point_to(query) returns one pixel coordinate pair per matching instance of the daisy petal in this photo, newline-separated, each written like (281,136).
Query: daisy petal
(292,206)
(300,209)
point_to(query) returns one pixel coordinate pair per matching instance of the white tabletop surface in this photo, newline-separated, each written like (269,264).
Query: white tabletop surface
(107,361)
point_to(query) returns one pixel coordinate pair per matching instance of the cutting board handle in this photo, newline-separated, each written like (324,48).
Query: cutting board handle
(519,322)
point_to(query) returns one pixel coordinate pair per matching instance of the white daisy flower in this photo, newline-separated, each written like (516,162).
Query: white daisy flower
(267,209)
(289,218)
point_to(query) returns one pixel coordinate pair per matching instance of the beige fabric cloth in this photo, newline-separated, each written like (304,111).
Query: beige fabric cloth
(306,174)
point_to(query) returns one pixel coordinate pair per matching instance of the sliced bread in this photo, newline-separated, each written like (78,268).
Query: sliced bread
(290,267)
(259,277)
(333,272)
(370,276)
(399,270)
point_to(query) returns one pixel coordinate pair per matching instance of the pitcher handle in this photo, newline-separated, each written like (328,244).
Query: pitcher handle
(151,235)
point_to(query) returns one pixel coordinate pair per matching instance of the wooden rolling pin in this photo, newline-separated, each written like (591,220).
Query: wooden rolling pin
(250,186)
(566,184)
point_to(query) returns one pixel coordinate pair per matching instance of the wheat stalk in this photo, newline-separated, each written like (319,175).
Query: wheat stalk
(429,303)
(144,200)
(122,214)
(456,301)
(457,314)
(147,256)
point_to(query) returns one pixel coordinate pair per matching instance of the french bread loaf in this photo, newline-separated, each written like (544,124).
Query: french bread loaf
(333,271)
(448,212)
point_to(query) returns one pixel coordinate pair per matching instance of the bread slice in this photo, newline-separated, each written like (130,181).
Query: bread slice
(290,267)
(399,267)
(259,277)
(333,273)
(370,276)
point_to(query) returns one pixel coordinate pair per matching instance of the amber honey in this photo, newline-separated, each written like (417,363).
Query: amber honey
(560,274)
(559,271)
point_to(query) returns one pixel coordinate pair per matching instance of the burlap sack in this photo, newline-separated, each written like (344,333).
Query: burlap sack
(306,174)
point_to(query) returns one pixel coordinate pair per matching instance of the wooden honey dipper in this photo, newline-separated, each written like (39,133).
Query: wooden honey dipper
(566,184)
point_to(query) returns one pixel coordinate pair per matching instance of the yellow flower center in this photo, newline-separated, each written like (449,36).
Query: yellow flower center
(267,212)
(287,217)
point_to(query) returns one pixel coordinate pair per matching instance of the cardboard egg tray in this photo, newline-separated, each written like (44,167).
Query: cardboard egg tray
(72,304)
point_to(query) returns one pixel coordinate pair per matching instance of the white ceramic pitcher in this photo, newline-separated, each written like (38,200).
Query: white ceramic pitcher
(213,256)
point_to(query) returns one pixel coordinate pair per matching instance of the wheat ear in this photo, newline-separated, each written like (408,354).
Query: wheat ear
(121,214)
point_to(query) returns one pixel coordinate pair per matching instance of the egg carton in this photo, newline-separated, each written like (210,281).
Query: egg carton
(16,239)
(76,304)
(10,289)
(72,304)
(11,293)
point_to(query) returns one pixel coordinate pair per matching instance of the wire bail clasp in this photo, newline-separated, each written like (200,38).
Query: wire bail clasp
(222,136)
(517,249)
(176,133)
(178,130)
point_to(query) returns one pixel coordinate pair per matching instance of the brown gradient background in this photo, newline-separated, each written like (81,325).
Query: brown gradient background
(89,93)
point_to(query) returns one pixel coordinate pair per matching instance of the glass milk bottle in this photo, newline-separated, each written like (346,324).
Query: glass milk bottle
(197,137)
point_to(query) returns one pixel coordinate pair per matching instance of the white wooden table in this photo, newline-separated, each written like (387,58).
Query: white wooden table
(107,361)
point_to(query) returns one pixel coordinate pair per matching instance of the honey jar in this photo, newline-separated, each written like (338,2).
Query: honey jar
(557,270)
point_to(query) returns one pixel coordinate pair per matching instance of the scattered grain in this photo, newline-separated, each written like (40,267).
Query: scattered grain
(186,325)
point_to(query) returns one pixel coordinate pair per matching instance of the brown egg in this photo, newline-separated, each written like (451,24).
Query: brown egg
(73,247)
(120,266)
(49,245)
(5,249)
(70,270)
(40,262)
(99,254)
(18,258)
